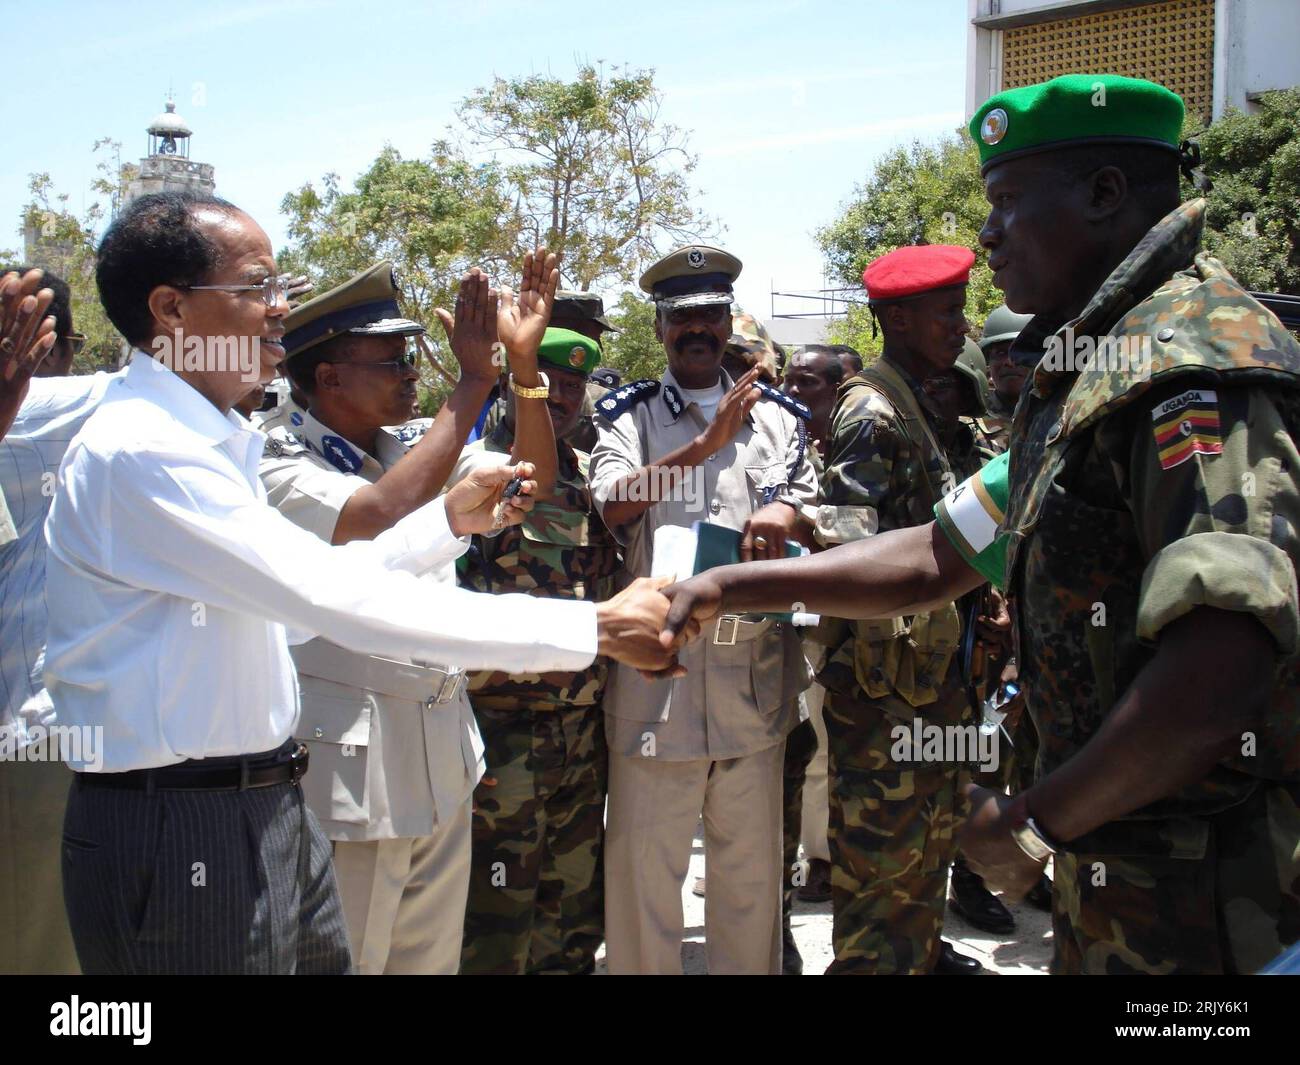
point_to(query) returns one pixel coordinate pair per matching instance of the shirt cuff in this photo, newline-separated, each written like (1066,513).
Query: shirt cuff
(1227,571)
(423,539)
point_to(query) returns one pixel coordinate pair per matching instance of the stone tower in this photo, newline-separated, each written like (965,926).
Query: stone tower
(168,164)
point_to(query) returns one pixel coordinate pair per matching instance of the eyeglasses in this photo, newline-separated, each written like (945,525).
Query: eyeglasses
(77,340)
(273,289)
(406,362)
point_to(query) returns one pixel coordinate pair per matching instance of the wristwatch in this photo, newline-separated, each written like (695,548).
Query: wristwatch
(1033,840)
(542,391)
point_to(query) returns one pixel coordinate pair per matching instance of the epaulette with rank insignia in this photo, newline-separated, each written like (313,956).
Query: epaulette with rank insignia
(799,410)
(282,442)
(626,397)
(412,432)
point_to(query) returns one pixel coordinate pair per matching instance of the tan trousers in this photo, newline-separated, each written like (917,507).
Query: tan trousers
(654,807)
(34,933)
(816,792)
(404,899)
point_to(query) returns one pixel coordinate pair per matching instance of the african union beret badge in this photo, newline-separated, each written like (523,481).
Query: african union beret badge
(577,356)
(994,126)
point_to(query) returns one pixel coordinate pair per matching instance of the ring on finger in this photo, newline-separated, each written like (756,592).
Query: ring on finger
(760,542)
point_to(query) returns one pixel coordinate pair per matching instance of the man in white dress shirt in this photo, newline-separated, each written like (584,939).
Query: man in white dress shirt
(172,587)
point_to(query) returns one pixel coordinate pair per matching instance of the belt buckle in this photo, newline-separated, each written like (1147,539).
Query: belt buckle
(730,640)
(298,763)
(449,688)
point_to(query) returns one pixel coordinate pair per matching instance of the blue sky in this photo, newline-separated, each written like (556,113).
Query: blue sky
(787,104)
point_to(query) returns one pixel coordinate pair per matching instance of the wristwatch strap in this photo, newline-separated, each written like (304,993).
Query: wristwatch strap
(542,391)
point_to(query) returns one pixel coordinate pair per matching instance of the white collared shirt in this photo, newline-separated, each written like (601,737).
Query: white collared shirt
(171,582)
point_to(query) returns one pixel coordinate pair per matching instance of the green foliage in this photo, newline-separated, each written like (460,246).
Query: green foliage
(597,176)
(1253,212)
(64,244)
(920,194)
(433,218)
(634,349)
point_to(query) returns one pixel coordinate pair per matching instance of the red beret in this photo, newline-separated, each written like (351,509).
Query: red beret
(911,271)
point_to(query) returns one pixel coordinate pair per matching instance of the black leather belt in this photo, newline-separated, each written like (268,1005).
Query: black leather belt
(284,766)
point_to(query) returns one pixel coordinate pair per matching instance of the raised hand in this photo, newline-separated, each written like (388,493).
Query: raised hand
(731,412)
(475,505)
(522,322)
(472,333)
(26,337)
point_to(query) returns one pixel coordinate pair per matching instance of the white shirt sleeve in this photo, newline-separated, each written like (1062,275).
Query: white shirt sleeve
(181,524)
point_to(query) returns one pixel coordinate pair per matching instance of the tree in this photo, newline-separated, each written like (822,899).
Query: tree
(434,218)
(634,349)
(921,194)
(1253,211)
(598,177)
(59,241)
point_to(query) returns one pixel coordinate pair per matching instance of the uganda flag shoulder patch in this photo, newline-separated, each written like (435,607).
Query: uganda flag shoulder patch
(1187,425)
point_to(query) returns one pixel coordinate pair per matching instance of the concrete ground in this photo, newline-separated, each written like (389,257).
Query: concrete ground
(1027,950)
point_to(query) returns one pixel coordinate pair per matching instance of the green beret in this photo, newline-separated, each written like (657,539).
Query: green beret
(1076,109)
(569,350)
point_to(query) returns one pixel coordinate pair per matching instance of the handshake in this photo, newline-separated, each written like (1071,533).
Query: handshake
(647,623)
(644,626)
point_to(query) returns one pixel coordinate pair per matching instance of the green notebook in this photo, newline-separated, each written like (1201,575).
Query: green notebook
(716,545)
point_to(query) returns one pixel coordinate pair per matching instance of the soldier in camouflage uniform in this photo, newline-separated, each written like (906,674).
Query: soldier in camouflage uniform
(1148,536)
(750,345)
(536,900)
(583,312)
(892,822)
(1005,378)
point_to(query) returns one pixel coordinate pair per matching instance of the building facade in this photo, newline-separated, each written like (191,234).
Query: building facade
(1215,54)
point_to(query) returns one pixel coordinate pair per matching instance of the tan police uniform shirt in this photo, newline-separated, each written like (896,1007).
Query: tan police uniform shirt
(395,750)
(737,698)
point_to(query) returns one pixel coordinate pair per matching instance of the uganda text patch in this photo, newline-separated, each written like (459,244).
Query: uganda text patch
(1187,425)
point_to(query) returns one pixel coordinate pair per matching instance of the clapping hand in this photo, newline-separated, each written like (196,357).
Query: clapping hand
(522,323)
(730,415)
(472,333)
(26,337)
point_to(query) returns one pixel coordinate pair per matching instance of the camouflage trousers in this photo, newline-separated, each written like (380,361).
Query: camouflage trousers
(893,835)
(1229,904)
(536,894)
(800,746)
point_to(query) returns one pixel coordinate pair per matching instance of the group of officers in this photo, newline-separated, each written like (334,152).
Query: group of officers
(506,822)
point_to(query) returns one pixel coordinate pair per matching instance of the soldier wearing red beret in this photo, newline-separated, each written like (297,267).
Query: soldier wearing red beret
(894,814)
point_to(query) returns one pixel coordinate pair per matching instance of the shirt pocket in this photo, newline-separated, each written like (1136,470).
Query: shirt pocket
(335,724)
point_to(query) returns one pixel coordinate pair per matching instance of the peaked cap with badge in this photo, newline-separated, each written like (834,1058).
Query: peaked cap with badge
(364,305)
(694,276)
(1073,110)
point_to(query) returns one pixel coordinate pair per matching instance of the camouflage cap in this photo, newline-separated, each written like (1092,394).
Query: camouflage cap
(970,364)
(580,307)
(364,305)
(693,276)
(752,342)
(1002,324)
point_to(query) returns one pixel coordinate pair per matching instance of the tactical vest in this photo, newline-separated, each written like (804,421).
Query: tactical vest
(908,656)
(562,550)
(1073,546)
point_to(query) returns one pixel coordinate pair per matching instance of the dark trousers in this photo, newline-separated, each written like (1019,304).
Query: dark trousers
(200,882)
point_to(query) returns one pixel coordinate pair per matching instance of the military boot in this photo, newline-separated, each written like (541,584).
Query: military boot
(975,904)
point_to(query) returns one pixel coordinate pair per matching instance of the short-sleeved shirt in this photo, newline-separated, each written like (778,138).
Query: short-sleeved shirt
(736,699)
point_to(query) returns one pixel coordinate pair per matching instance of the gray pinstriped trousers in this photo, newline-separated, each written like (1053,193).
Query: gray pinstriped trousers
(200,882)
